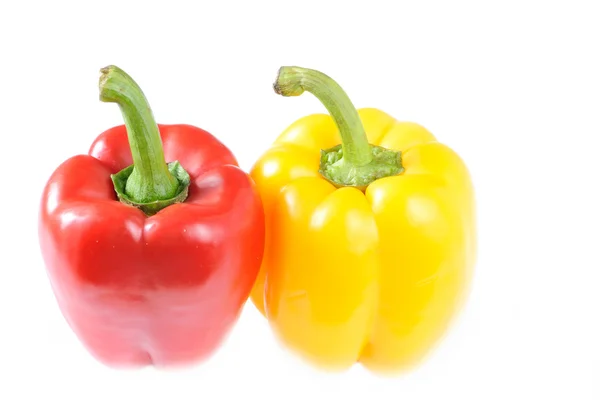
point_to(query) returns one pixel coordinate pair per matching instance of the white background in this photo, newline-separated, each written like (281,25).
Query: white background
(512,86)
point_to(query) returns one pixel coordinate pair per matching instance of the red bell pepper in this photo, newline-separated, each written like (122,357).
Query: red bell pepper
(150,263)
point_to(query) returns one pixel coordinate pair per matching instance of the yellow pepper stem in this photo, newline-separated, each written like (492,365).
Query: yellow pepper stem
(355,162)
(293,81)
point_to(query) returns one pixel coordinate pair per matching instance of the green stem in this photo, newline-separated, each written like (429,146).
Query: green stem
(355,162)
(293,81)
(150,180)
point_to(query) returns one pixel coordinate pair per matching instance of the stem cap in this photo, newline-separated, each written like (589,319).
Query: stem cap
(334,168)
(150,208)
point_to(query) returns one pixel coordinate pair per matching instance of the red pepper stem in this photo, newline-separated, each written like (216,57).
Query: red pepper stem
(150,179)
(293,81)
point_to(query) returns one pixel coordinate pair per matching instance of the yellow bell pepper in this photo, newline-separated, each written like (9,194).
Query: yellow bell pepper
(370,233)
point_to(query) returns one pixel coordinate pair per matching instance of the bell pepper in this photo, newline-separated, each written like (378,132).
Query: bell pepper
(370,234)
(150,262)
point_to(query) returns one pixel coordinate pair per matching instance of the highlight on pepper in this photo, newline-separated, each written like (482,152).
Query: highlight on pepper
(153,240)
(370,234)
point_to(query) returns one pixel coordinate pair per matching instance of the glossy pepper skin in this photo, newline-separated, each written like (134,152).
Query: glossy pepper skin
(161,289)
(370,273)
